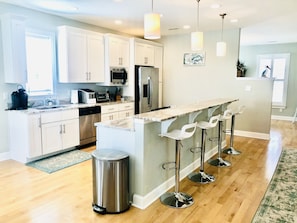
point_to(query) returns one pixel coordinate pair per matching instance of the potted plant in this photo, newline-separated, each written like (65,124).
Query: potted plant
(241,69)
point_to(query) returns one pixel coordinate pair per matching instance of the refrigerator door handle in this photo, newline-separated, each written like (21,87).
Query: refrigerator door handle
(149,92)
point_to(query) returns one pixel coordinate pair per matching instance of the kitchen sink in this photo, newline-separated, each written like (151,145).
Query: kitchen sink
(45,107)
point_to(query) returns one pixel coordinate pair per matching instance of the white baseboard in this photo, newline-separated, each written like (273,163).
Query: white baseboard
(143,202)
(4,156)
(283,118)
(256,135)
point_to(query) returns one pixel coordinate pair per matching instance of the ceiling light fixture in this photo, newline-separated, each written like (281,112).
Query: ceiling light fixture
(152,25)
(197,37)
(222,46)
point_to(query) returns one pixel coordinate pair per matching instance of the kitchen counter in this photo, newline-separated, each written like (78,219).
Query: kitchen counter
(60,107)
(139,136)
(165,114)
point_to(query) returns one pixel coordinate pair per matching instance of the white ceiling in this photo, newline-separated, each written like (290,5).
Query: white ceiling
(263,21)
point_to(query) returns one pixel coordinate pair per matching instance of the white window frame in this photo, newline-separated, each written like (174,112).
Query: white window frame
(272,57)
(51,36)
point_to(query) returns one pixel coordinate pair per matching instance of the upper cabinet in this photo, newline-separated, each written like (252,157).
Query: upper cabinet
(14,48)
(144,54)
(116,51)
(80,55)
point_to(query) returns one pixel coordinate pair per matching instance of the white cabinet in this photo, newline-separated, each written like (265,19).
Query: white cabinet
(126,110)
(14,49)
(60,130)
(24,136)
(34,135)
(144,54)
(117,111)
(80,55)
(117,51)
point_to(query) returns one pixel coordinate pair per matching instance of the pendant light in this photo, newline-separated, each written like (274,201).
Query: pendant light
(152,25)
(222,46)
(197,37)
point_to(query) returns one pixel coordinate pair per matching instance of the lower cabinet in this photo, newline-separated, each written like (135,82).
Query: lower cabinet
(117,111)
(60,130)
(33,135)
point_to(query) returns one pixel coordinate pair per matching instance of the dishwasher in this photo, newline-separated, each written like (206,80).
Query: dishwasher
(87,117)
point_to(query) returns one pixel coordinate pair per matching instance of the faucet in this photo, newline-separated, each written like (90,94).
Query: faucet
(49,101)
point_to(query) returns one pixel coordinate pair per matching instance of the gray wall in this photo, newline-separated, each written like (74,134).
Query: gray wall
(248,54)
(217,78)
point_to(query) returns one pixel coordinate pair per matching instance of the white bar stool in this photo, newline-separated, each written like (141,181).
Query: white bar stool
(231,150)
(219,161)
(178,199)
(201,176)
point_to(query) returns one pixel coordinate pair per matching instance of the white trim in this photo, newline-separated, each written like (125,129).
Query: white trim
(283,118)
(256,135)
(143,202)
(4,156)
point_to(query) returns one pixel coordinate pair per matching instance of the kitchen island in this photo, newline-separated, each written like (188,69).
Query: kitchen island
(139,136)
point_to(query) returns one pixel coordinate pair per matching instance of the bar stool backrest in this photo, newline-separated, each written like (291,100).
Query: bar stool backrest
(240,110)
(213,121)
(188,130)
(227,114)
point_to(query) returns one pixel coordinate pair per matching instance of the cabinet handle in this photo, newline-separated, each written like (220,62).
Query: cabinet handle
(61,131)
(145,60)
(90,76)
(39,120)
(64,131)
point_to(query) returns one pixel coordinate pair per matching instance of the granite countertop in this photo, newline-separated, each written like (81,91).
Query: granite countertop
(165,114)
(68,106)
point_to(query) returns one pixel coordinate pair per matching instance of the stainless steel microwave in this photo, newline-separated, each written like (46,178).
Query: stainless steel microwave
(118,76)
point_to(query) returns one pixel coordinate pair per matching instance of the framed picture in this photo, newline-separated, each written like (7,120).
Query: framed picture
(194,58)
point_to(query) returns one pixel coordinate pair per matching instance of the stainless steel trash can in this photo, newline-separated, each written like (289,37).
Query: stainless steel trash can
(110,181)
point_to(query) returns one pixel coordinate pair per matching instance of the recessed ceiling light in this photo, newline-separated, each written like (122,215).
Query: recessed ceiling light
(234,20)
(186,26)
(215,6)
(118,22)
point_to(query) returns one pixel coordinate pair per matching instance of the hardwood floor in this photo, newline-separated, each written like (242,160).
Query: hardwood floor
(29,195)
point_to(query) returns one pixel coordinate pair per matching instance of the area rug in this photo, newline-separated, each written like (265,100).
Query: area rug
(60,161)
(280,201)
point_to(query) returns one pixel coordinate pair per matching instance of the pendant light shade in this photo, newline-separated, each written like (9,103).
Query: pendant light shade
(152,25)
(196,41)
(221,49)
(197,37)
(222,46)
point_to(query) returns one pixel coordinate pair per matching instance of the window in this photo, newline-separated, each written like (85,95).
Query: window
(40,63)
(276,66)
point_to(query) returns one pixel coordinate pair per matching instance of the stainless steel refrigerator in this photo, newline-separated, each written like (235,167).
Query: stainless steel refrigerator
(146,89)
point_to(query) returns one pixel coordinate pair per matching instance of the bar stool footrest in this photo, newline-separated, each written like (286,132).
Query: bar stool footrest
(177,199)
(165,166)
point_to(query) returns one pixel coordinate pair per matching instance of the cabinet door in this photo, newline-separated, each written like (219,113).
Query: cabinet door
(126,113)
(95,58)
(109,116)
(51,137)
(14,49)
(34,130)
(118,52)
(77,57)
(144,54)
(70,133)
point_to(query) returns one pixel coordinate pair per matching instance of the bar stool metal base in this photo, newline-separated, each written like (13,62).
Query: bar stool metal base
(177,199)
(231,151)
(219,162)
(201,177)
